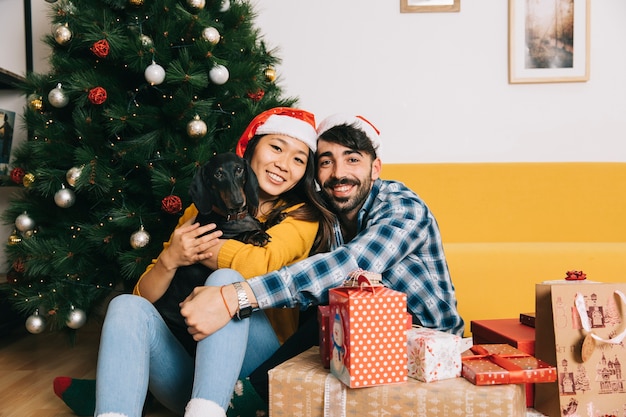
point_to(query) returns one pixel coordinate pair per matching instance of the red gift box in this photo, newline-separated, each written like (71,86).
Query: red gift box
(368,335)
(503,364)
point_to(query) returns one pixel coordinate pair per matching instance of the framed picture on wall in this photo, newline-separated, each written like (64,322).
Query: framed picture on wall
(7,124)
(418,6)
(548,41)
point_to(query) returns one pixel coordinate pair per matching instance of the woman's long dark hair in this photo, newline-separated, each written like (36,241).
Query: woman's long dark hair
(304,191)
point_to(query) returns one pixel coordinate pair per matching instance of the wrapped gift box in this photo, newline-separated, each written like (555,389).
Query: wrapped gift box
(368,335)
(433,355)
(302,387)
(503,364)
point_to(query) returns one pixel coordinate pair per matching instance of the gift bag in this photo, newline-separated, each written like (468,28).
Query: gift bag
(368,334)
(580,330)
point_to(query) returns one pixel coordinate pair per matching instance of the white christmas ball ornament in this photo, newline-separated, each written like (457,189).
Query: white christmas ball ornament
(76,319)
(225,6)
(35,324)
(154,73)
(24,222)
(219,74)
(140,238)
(211,34)
(196,4)
(65,197)
(62,34)
(57,97)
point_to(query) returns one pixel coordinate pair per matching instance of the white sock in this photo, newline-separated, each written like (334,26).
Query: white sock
(111,415)
(199,407)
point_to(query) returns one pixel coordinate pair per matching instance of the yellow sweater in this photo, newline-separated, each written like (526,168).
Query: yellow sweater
(291,241)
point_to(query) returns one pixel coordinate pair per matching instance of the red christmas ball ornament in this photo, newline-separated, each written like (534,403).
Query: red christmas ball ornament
(101,48)
(256,96)
(17,175)
(97,95)
(171,204)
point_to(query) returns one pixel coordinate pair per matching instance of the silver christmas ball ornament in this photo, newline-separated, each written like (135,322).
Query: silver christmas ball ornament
(35,324)
(62,34)
(57,97)
(24,222)
(146,41)
(196,128)
(76,319)
(211,35)
(219,74)
(65,197)
(72,175)
(140,238)
(225,6)
(154,74)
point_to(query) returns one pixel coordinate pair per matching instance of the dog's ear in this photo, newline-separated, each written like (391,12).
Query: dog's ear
(251,189)
(199,191)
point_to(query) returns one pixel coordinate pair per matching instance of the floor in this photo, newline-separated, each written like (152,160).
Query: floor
(29,363)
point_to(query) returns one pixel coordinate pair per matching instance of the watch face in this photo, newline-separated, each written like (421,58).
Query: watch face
(244,313)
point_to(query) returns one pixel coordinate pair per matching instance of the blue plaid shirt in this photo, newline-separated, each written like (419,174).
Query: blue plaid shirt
(397,237)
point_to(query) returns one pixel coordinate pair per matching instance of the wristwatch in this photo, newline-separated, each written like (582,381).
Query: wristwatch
(245,308)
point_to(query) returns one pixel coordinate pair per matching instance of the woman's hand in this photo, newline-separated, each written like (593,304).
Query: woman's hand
(188,246)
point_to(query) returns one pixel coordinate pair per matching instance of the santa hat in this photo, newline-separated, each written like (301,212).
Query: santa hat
(295,123)
(358,122)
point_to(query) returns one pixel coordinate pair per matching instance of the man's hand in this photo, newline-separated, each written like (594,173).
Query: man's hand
(204,310)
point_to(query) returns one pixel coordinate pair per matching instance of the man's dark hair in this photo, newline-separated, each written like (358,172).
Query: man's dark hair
(351,137)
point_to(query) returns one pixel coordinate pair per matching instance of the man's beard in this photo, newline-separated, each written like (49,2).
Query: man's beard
(342,205)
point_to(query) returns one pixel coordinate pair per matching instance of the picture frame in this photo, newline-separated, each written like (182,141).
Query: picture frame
(419,6)
(549,41)
(7,126)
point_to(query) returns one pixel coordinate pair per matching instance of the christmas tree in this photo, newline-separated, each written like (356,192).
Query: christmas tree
(140,93)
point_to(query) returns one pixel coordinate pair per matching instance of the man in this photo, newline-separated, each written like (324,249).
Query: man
(383,227)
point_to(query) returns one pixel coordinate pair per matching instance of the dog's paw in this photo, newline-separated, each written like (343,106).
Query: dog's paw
(259,238)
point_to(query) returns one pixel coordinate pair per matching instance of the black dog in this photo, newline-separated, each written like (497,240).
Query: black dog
(225,192)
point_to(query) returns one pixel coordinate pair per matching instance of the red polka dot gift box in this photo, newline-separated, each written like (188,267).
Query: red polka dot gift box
(368,333)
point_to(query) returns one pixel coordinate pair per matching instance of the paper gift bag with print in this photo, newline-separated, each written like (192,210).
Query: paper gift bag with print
(368,334)
(580,329)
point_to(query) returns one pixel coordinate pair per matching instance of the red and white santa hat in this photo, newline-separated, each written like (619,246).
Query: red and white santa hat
(358,122)
(295,123)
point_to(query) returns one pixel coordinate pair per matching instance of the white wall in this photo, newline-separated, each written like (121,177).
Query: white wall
(436,84)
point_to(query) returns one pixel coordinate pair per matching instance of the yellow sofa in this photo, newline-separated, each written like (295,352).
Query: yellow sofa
(508,226)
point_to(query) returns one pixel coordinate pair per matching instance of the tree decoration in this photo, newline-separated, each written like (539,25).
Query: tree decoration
(72,175)
(17,175)
(64,198)
(135,3)
(154,74)
(62,34)
(24,222)
(28,180)
(270,74)
(196,4)
(225,6)
(196,128)
(97,95)
(57,97)
(140,238)
(256,96)
(35,102)
(14,238)
(219,74)
(171,204)
(146,41)
(211,35)
(76,319)
(101,48)
(35,324)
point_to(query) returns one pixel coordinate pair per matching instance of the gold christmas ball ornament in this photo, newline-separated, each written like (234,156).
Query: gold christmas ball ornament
(211,35)
(57,97)
(135,3)
(140,238)
(28,180)
(196,4)
(35,102)
(146,41)
(270,74)
(24,222)
(62,34)
(14,239)
(196,128)
(73,174)
(64,198)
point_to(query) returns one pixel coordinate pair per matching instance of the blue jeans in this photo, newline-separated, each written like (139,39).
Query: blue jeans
(138,352)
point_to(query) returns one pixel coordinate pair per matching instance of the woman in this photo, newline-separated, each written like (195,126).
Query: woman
(138,352)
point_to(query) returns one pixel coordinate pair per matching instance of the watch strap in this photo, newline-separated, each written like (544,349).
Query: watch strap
(245,308)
